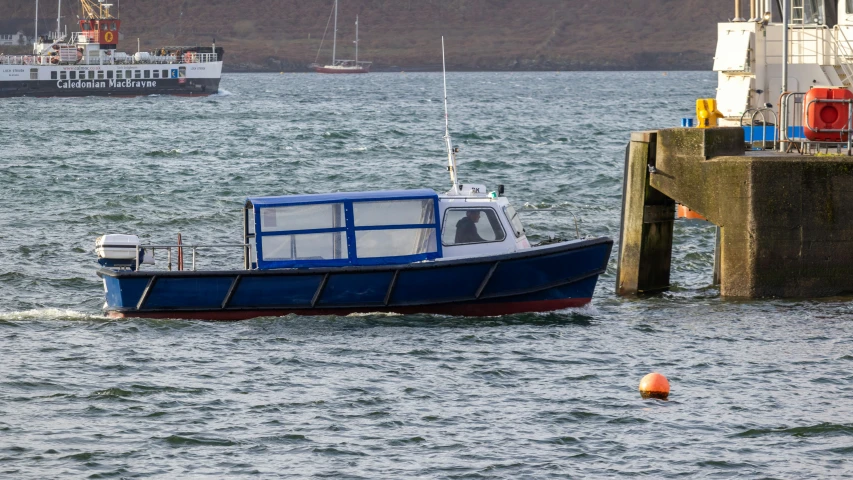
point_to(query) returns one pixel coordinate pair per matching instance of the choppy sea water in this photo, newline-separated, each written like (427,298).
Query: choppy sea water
(760,389)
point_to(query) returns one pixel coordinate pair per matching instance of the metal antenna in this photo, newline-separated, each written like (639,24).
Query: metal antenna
(451,157)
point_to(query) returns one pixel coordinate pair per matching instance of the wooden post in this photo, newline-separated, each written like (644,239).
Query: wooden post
(645,237)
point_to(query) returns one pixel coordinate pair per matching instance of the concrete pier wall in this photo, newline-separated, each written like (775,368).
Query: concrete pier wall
(786,221)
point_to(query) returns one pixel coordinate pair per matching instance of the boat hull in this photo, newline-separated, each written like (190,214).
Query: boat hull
(540,279)
(341,70)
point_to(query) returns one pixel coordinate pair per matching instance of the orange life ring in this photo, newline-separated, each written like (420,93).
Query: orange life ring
(108,37)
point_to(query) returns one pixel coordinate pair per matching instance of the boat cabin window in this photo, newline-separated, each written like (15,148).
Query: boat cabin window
(128,74)
(165,74)
(469,225)
(91,75)
(361,228)
(394,228)
(147,74)
(109,74)
(63,75)
(137,74)
(118,74)
(156,73)
(512,215)
(53,75)
(72,75)
(100,74)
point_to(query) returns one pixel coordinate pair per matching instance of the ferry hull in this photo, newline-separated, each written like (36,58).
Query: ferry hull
(540,279)
(102,88)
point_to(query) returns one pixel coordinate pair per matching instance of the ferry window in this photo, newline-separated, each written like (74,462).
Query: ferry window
(104,27)
(91,75)
(165,74)
(183,72)
(137,74)
(302,217)
(312,246)
(395,242)
(72,75)
(34,74)
(113,26)
(512,215)
(394,212)
(156,73)
(109,74)
(147,74)
(471,225)
(53,75)
(118,74)
(100,74)
(63,75)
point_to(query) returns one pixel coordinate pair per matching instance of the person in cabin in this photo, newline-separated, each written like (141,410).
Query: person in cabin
(466,228)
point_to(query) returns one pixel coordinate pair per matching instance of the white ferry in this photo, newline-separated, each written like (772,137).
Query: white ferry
(86,63)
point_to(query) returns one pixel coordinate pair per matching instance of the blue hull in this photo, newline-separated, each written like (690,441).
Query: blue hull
(542,278)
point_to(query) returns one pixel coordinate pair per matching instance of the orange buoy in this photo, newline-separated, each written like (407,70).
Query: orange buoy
(654,385)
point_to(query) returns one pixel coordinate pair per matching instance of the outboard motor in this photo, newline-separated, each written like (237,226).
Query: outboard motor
(120,251)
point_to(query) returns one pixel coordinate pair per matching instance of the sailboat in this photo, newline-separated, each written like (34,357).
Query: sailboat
(337,65)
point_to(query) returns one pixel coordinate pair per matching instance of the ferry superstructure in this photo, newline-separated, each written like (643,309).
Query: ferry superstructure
(767,60)
(87,63)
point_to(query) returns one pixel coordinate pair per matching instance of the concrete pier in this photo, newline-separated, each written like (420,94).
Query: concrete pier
(786,220)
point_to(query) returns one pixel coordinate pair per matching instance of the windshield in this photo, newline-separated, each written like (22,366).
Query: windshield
(512,215)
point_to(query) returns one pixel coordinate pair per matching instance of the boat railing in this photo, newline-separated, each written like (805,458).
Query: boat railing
(180,248)
(556,209)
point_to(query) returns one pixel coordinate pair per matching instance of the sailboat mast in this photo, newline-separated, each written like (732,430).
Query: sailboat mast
(35,38)
(335,35)
(356,39)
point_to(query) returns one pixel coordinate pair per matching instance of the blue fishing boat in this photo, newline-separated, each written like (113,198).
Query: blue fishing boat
(464,252)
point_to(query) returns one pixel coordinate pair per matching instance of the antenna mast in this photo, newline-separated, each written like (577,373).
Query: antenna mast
(451,154)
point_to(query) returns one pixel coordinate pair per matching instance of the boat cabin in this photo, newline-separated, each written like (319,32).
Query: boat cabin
(377,228)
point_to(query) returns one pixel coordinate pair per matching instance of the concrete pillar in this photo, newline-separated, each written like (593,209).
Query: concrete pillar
(645,237)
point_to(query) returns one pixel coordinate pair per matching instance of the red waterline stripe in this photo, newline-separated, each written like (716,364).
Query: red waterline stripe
(467,310)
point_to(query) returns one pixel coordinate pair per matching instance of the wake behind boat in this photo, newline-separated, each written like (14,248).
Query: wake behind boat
(464,252)
(338,65)
(87,63)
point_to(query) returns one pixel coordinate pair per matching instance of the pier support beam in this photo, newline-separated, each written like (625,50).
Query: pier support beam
(645,239)
(785,221)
